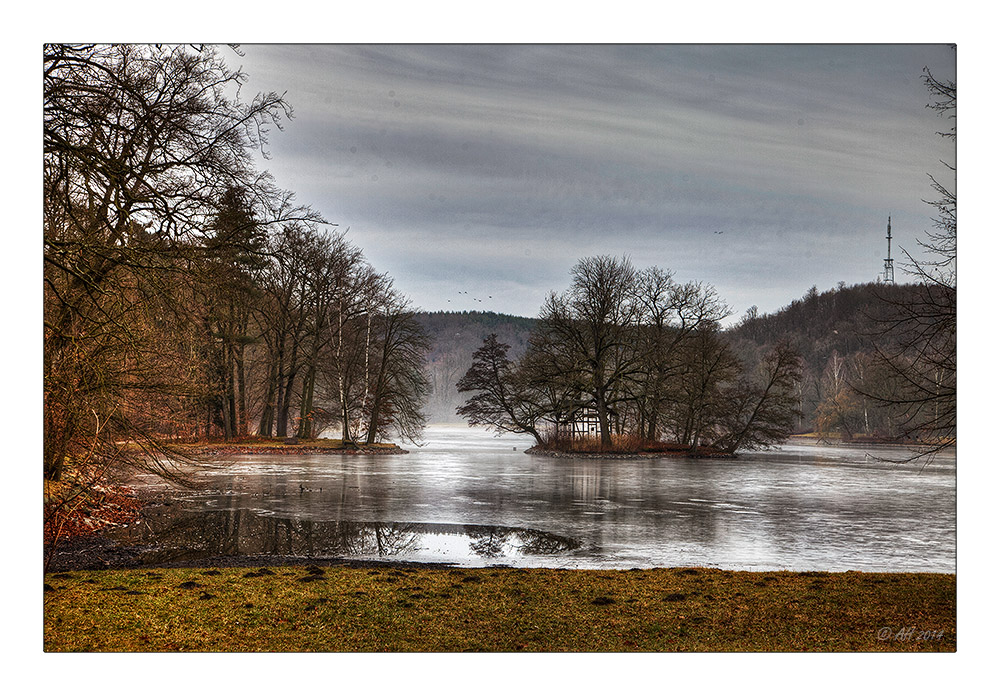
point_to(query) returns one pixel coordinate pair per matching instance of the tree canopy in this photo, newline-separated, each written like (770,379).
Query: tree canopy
(185,294)
(642,356)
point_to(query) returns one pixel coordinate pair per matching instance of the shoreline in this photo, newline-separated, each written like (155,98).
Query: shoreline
(96,553)
(292,449)
(292,446)
(537,451)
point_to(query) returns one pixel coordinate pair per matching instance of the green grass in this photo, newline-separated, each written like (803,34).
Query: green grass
(454,610)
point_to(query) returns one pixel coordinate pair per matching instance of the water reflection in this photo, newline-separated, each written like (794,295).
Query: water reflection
(178,535)
(802,508)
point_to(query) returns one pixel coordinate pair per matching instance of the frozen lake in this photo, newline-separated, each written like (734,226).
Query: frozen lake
(472,499)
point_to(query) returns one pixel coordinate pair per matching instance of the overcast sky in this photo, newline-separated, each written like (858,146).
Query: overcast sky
(471,171)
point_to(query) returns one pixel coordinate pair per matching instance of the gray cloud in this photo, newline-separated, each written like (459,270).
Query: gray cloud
(459,164)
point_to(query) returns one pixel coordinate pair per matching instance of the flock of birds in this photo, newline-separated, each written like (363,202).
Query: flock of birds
(474,299)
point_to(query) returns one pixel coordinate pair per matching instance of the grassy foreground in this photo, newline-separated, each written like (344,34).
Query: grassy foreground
(298,608)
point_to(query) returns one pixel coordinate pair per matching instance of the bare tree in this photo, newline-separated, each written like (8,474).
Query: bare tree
(762,407)
(593,324)
(332,268)
(140,143)
(918,344)
(699,400)
(500,399)
(398,386)
(671,314)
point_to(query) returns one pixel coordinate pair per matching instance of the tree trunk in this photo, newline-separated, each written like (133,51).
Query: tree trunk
(346,436)
(267,414)
(373,421)
(285,403)
(244,426)
(285,393)
(273,383)
(56,440)
(603,420)
(229,403)
(379,386)
(306,406)
(651,423)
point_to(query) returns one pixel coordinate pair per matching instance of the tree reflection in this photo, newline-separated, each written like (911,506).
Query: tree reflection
(174,536)
(535,543)
(487,542)
(495,542)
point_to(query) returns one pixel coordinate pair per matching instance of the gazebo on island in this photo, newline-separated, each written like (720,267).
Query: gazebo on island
(582,422)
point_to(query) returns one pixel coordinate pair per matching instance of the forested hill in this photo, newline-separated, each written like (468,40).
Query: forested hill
(826,328)
(455,336)
(830,330)
(839,319)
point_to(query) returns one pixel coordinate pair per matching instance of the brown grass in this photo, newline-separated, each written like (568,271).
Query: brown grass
(622,444)
(501,610)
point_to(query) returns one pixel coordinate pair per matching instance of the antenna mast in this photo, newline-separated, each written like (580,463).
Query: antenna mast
(888,276)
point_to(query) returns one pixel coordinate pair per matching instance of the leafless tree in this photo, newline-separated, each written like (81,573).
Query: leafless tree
(671,313)
(501,400)
(643,352)
(140,144)
(699,400)
(918,333)
(761,407)
(397,385)
(593,324)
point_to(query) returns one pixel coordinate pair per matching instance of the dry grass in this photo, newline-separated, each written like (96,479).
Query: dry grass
(453,610)
(621,445)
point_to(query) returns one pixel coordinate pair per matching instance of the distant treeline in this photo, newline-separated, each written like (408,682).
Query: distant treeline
(837,333)
(872,366)
(455,336)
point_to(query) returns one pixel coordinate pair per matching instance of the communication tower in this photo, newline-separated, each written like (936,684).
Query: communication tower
(888,275)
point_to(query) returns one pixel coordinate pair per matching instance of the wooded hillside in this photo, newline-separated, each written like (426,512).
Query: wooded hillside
(844,336)
(455,336)
(834,331)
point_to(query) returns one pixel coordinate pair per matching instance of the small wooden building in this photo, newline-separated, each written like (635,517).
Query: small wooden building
(580,423)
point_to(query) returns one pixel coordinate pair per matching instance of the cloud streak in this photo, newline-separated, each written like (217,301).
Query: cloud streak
(508,163)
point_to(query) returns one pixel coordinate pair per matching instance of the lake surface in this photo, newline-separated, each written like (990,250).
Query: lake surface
(472,499)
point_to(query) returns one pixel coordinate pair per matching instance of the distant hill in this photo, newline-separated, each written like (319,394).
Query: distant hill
(819,325)
(838,322)
(455,336)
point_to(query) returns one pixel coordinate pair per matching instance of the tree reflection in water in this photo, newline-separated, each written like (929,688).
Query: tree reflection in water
(494,542)
(170,536)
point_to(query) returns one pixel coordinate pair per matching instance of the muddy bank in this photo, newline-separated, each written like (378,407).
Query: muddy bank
(95,551)
(222,449)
